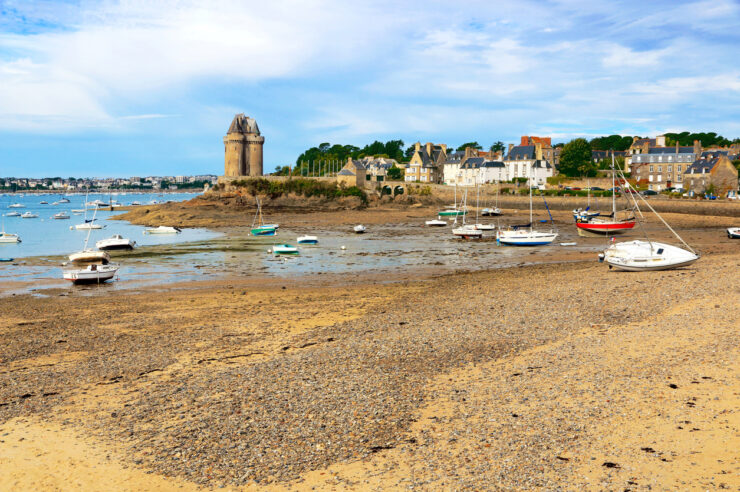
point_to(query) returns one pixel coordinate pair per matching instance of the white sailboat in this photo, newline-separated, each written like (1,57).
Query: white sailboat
(467,231)
(478,225)
(162,230)
(90,274)
(525,235)
(6,237)
(638,256)
(88,255)
(88,224)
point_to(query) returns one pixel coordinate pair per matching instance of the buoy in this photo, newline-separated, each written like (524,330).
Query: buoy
(71,228)
(269,251)
(344,247)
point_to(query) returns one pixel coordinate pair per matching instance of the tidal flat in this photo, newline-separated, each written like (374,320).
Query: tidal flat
(547,372)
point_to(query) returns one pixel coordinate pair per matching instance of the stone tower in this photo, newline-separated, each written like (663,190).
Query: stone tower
(243,148)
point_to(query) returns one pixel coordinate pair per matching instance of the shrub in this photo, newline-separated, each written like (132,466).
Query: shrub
(299,186)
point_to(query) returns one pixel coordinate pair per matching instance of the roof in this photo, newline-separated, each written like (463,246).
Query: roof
(542,164)
(671,150)
(243,124)
(701,166)
(521,152)
(493,164)
(713,153)
(473,163)
(345,172)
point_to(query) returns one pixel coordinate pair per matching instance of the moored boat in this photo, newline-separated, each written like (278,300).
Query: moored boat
(435,223)
(733,232)
(29,215)
(308,240)
(636,256)
(90,256)
(60,215)
(284,249)
(13,214)
(115,242)
(162,230)
(526,235)
(259,228)
(16,205)
(91,274)
(359,229)
(468,231)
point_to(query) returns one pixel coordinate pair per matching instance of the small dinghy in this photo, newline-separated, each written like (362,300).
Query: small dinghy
(485,227)
(43,202)
(162,230)
(29,215)
(284,249)
(115,242)
(91,274)
(435,223)
(733,232)
(359,229)
(308,240)
(5,260)
(60,215)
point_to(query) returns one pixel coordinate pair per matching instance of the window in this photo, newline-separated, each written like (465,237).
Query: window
(423,178)
(670,158)
(678,168)
(679,178)
(650,178)
(650,187)
(660,158)
(659,177)
(670,169)
(660,169)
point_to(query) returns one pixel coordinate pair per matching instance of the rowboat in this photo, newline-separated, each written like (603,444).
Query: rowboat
(733,232)
(284,249)
(436,223)
(359,229)
(115,242)
(162,230)
(308,240)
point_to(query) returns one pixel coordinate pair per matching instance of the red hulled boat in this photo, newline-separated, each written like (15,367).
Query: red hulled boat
(605,225)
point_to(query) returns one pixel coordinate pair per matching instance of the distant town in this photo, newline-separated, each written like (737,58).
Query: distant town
(148,183)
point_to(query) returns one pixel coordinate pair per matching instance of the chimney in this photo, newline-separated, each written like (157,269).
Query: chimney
(417,146)
(660,141)
(538,151)
(697,148)
(677,148)
(444,147)
(511,146)
(525,140)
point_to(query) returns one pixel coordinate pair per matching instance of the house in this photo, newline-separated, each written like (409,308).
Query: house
(713,172)
(377,167)
(527,161)
(545,143)
(641,146)
(427,163)
(663,167)
(598,156)
(352,174)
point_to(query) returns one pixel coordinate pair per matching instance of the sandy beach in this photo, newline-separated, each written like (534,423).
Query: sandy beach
(548,375)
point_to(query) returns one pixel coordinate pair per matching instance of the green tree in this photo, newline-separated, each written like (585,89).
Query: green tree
(497,147)
(612,142)
(575,159)
(474,145)
(395,173)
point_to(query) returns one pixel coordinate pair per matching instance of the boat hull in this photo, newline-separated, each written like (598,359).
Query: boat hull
(84,276)
(643,256)
(263,232)
(605,227)
(524,238)
(452,213)
(733,232)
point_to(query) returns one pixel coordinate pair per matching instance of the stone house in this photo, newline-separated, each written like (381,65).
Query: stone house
(427,163)
(377,167)
(545,143)
(643,146)
(663,167)
(712,170)
(352,174)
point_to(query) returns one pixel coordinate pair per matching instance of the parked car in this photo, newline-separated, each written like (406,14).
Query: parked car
(648,192)
(596,188)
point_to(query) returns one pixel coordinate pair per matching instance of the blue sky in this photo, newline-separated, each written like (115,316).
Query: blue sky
(105,88)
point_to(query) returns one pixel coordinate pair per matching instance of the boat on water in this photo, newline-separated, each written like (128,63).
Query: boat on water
(308,240)
(259,228)
(60,215)
(284,249)
(638,256)
(29,215)
(43,202)
(526,235)
(13,214)
(6,260)
(360,229)
(78,210)
(88,224)
(436,223)
(115,242)
(135,203)
(64,200)
(162,230)
(733,232)
(16,205)
(6,237)
(90,274)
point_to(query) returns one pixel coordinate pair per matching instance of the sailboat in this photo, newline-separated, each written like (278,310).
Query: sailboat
(526,235)
(495,210)
(467,231)
(586,213)
(89,255)
(262,229)
(452,210)
(88,224)
(479,226)
(6,237)
(607,224)
(638,256)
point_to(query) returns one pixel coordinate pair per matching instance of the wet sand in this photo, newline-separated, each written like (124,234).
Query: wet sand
(542,376)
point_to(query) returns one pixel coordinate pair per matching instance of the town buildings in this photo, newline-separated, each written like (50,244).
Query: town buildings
(712,172)
(427,163)
(527,161)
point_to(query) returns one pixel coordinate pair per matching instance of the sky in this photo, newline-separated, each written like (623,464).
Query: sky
(138,88)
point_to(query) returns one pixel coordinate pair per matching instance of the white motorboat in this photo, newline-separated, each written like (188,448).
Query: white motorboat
(436,223)
(162,230)
(29,215)
(637,256)
(43,202)
(468,231)
(733,232)
(91,274)
(90,256)
(115,242)
(64,200)
(284,249)
(134,203)
(6,237)
(60,215)
(359,229)
(78,210)
(16,205)
(13,214)
(88,225)
(308,240)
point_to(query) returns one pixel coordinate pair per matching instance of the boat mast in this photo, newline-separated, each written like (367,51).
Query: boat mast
(614,191)
(531,222)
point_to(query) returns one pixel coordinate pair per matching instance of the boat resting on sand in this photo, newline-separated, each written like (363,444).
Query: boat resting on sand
(91,274)
(638,256)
